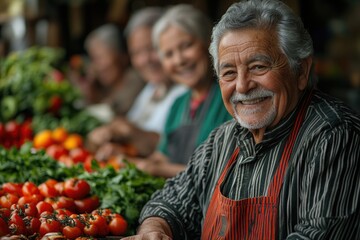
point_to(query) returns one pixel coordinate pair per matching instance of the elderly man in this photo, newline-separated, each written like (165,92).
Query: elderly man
(287,166)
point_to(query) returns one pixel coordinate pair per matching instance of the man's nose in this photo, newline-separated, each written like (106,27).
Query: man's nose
(244,82)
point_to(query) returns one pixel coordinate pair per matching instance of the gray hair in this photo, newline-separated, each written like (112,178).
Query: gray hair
(187,17)
(294,41)
(145,17)
(110,35)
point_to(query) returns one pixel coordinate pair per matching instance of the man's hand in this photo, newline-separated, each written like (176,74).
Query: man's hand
(153,228)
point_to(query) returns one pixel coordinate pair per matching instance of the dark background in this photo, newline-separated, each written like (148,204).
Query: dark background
(333,24)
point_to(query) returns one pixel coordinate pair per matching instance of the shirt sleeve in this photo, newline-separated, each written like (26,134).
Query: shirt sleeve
(178,201)
(329,207)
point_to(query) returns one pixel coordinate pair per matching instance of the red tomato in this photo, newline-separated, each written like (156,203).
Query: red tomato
(2,132)
(51,182)
(60,187)
(79,220)
(64,202)
(76,188)
(118,226)
(91,230)
(16,208)
(87,205)
(12,129)
(31,210)
(26,130)
(79,155)
(32,224)
(55,104)
(16,219)
(43,206)
(88,164)
(72,232)
(16,229)
(105,212)
(62,218)
(101,224)
(8,199)
(47,190)
(63,211)
(30,199)
(4,229)
(29,189)
(56,151)
(13,188)
(5,213)
(48,226)
(46,215)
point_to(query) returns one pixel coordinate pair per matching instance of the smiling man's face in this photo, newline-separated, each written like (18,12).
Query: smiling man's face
(257,84)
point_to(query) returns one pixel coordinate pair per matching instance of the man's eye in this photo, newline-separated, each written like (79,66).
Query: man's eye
(227,75)
(259,69)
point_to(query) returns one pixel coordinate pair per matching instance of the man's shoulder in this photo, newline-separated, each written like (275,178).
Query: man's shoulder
(330,112)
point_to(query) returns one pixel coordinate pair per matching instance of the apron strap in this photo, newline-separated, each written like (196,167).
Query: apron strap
(276,184)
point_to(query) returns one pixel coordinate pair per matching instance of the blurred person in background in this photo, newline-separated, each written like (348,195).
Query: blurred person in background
(109,80)
(181,38)
(138,133)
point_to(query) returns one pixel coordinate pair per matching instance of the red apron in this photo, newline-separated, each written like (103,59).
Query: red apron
(250,218)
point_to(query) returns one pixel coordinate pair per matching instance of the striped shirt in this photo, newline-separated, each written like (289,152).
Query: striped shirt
(321,190)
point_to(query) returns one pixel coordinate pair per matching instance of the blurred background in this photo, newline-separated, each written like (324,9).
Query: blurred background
(333,24)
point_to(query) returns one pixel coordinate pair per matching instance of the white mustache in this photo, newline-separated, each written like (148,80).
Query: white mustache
(252,95)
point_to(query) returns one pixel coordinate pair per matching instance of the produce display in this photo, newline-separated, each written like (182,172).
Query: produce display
(13,133)
(66,207)
(49,182)
(34,87)
(123,191)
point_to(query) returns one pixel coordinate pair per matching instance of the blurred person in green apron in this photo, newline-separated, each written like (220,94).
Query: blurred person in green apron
(287,166)
(182,37)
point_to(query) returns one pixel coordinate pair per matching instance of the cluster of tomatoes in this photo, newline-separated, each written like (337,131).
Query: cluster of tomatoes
(64,207)
(14,134)
(63,146)
(68,148)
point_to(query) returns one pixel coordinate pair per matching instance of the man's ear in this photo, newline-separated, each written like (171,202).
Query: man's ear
(303,79)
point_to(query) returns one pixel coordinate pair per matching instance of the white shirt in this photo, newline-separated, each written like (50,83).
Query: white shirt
(150,114)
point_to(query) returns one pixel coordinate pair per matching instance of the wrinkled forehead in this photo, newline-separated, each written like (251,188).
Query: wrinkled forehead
(247,41)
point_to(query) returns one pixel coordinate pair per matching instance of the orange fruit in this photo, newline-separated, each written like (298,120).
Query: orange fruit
(115,163)
(73,141)
(59,134)
(43,139)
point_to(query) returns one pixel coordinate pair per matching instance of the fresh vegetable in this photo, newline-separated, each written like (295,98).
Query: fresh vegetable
(14,133)
(76,188)
(35,217)
(32,85)
(124,191)
(26,165)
